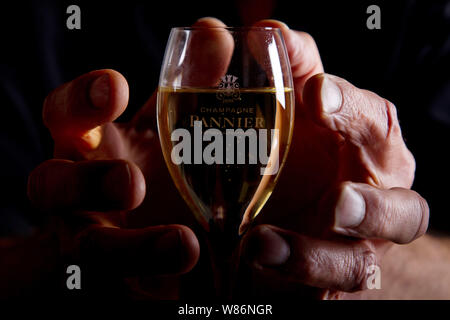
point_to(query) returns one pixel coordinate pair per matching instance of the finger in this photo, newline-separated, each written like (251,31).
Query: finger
(97,185)
(365,120)
(201,56)
(205,61)
(399,215)
(335,265)
(209,53)
(160,250)
(266,47)
(74,111)
(359,115)
(303,54)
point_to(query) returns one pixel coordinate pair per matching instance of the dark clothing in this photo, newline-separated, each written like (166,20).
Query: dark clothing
(407,62)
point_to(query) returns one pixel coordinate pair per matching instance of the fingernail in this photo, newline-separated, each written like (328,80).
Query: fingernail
(350,209)
(331,95)
(116,183)
(267,248)
(100,91)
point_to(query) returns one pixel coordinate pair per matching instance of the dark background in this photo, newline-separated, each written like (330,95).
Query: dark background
(407,62)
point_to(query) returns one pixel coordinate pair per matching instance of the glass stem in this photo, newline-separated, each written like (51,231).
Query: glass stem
(224,255)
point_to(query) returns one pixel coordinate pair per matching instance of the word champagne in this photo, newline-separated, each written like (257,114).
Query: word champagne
(238,133)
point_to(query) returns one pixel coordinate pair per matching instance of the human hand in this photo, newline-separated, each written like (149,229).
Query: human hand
(344,195)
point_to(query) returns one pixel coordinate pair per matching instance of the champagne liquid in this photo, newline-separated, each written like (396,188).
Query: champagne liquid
(221,195)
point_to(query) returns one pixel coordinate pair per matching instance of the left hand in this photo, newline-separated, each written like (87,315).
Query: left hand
(344,195)
(115,210)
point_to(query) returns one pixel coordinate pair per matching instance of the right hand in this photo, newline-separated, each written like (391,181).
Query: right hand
(108,176)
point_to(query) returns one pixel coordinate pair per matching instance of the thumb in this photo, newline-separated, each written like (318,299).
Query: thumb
(74,111)
(206,57)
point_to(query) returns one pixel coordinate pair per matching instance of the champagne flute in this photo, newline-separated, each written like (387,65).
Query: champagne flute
(225,118)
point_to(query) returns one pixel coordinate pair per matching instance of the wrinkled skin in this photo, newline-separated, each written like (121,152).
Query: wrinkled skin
(295,239)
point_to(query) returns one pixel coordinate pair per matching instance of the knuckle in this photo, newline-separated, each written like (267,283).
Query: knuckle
(309,267)
(53,105)
(381,219)
(391,119)
(408,168)
(393,130)
(371,118)
(308,262)
(379,118)
(357,266)
(424,215)
(37,185)
(395,139)
(309,39)
(48,190)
